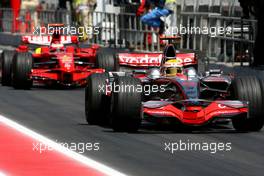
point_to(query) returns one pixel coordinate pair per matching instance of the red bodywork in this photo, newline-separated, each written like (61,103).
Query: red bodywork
(58,63)
(197,115)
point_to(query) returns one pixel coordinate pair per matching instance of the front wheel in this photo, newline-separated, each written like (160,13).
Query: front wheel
(249,89)
(126,104)
(21,70)
(7,60)
(97,104)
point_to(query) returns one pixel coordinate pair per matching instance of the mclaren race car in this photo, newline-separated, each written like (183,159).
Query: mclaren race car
(174,93)
(58,61)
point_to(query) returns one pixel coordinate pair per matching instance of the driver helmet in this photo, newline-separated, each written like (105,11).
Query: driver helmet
(56,37)
(56,40)
(172,67)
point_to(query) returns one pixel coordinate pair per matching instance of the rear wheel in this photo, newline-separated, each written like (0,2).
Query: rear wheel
(126,105)
(106,61)
(97,104)
(21,69)
(261,80)
(7,59)
(249,89)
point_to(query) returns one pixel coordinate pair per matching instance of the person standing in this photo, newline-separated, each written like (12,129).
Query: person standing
(257,10)
(255,7)
(162,8)
(30,6)
(84,12)
(246,8)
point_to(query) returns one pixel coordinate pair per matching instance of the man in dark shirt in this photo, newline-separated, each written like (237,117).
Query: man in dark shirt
(63,4)
(4,3)
(245,6)
(255,8)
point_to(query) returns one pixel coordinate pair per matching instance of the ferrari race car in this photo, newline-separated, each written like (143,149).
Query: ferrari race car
(173,93)
(58,61)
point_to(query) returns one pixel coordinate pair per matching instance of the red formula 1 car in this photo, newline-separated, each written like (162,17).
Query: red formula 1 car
(173,93)
(59,60)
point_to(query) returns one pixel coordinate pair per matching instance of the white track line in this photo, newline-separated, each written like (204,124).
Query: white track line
(78,157)
(2,174)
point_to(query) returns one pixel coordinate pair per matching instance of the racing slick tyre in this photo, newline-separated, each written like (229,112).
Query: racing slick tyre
(97,104)
(7,59)
(21,69)
(249,89)
(126,105)
(106,61)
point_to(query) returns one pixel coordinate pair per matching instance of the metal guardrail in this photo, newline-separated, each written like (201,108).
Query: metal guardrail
(28,19)
(228,47)
(116,30)
(124,30)
(6,20)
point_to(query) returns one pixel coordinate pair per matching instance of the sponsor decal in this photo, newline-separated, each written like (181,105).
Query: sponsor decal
(140,59)
(151,59)
(67,61)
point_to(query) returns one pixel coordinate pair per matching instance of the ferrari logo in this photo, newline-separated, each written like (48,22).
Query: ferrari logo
(66,58)
(67,61)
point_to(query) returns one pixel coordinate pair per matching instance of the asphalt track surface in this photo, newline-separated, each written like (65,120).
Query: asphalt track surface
(59,115)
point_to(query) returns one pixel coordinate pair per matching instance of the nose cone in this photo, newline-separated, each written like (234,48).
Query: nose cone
(190,87)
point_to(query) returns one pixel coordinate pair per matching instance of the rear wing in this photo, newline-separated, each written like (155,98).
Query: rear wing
(145,60)
(46,40)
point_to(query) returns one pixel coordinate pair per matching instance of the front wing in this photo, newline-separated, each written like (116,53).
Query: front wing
(62,77)
(195,112)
